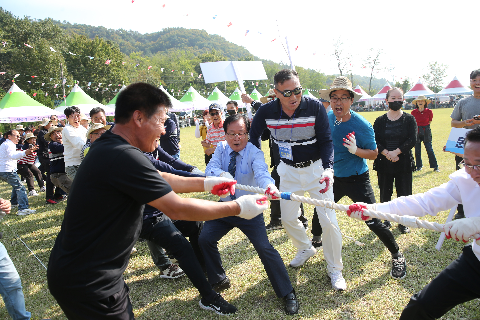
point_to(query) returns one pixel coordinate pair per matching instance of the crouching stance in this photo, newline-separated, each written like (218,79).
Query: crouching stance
(238,159)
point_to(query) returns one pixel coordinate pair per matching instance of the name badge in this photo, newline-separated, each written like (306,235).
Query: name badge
(285,151)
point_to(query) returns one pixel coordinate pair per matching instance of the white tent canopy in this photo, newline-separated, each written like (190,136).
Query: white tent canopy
(78,98)
(17,106)
(455,87)
(194,100)
(365,96)
(177,106)
(419,89)
(382,94)
(217,96)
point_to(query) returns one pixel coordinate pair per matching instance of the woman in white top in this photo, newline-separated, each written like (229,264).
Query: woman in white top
(74,137)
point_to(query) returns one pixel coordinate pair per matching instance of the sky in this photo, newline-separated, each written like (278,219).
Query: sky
(410,34)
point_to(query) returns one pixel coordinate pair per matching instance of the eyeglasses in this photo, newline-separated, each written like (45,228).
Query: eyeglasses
(213,114)
(235,135)
(288,93)
(474,167)
(343,99)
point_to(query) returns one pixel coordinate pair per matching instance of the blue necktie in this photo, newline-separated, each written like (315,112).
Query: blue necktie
(232,167)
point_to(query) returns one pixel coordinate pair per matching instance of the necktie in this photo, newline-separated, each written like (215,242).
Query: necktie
(232,166)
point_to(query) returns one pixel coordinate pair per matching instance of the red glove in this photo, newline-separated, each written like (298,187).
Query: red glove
(220,186)
(357,211)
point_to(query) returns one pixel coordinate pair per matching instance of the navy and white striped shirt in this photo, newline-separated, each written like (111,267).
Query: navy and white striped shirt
(307,131)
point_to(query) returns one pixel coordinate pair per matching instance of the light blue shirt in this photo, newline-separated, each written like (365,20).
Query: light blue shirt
(251,168)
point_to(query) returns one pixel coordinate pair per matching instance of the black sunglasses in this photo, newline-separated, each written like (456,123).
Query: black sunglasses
(213,114)
(288,93)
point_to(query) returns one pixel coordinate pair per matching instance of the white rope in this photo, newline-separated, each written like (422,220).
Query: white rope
(409,221)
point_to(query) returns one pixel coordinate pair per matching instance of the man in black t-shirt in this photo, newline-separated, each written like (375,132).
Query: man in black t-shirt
(92,250)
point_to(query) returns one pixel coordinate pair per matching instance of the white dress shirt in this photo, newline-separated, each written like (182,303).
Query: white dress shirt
(9,156)
(461,189)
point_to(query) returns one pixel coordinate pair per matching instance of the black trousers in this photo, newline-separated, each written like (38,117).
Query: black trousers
(456,284)
(48,182)
(457,166)
(28,171)
(359,189)
(403,184)
(163,233)
(116,307)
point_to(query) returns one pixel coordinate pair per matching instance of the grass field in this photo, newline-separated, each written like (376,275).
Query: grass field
(371,292)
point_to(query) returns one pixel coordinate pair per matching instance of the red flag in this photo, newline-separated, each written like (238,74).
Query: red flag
(108,61)
(34,94)
(273,40)
(229,24)
(296,48)
(149,67)
(163,5)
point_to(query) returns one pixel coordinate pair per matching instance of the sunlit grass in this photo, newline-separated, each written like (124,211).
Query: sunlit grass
(371,293)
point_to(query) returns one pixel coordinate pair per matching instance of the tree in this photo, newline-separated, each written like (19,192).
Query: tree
(436,73)
(372,63)
(343,59)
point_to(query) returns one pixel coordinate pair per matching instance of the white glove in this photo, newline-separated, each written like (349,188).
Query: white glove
(272,192)
(350,142)
(356,210)
(462,229)
(197,171)
(251,205)
(219,186)
(327,177)
(227,175)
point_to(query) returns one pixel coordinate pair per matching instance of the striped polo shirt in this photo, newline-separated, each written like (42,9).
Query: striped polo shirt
(307,131)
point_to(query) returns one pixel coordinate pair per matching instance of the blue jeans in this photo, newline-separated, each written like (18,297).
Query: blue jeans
(255,231)
(11,287)
(19,193)
(425,135)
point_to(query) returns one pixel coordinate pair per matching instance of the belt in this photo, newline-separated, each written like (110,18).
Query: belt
(301,164)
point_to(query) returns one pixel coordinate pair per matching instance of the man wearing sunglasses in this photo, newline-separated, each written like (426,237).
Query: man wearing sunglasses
(215,132)
(299,127)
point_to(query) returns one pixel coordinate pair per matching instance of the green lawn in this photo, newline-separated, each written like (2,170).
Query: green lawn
(371,293)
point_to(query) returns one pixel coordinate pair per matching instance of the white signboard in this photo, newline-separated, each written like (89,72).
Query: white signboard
(456,140)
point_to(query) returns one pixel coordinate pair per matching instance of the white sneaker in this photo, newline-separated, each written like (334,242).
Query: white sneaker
(25,212)
(338,283)
(43,189)
(302,257)
(32,193)
(172,272)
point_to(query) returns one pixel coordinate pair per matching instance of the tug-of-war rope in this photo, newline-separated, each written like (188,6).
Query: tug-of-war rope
(409,221)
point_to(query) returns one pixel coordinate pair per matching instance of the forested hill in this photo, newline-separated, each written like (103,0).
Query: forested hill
(197,41)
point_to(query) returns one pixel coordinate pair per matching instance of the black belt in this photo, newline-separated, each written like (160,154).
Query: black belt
(301,164)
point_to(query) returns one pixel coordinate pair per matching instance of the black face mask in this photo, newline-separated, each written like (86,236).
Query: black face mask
(231,112)
(395,105)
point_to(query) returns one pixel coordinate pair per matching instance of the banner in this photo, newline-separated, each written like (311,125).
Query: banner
(456,140)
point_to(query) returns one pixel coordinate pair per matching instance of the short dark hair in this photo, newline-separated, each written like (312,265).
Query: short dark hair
(473,135)
(139,96)
(394,88)
(70,110)
(474,74)
(233,102)
(96,110)
(8,133)
(284,75)
(234,118)
(349,92)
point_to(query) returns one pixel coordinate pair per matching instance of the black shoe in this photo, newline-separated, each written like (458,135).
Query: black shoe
(387,224)
(218,305)
(291,303)
(316,244)
(458,215)
(436,170)
(399,267)
(403,229)
(274,226)
(305,225)
(221,285)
